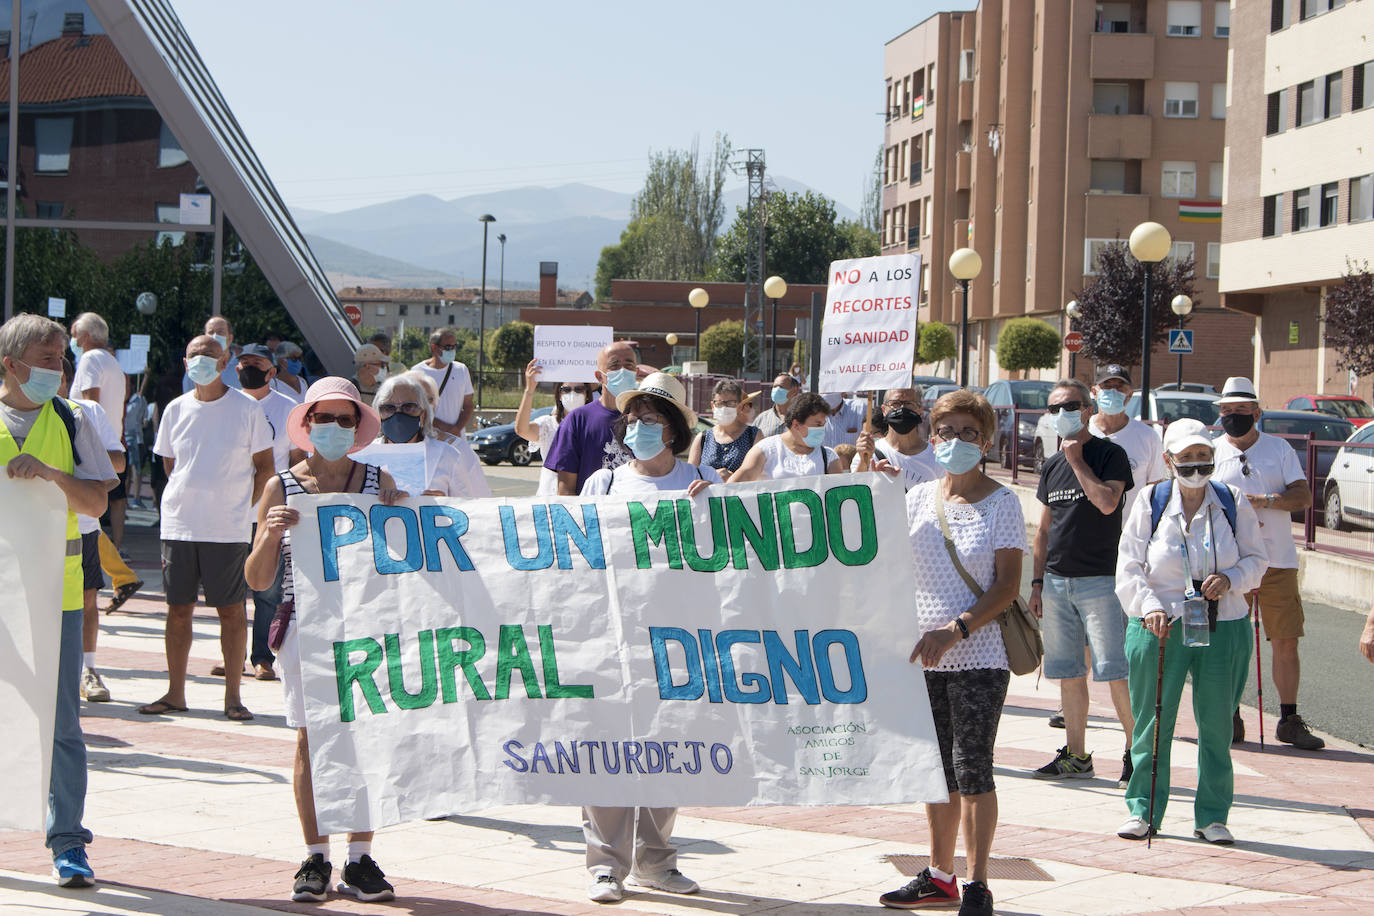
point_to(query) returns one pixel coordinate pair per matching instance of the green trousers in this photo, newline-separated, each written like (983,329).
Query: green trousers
(1219,673)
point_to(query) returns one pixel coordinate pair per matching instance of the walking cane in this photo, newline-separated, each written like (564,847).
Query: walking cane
(1154,754)
(1259,671)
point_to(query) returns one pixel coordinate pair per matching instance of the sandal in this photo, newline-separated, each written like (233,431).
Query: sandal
(159,708)
(238,713)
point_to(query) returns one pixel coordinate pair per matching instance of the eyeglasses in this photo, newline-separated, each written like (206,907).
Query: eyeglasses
(899,404)
(345,420)
(654,418)
(719,403)
(571,389)
(410,409)
(948,433)
(1067,405)
(1188,470)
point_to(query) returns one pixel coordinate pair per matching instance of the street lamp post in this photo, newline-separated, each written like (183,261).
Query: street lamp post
(1150,243)
(1181,305)
(486,220)
(501,292)
(698,298)
(1074,313)
(774,288)
(964,264)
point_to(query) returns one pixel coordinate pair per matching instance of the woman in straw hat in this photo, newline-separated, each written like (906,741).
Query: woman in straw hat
(330,423)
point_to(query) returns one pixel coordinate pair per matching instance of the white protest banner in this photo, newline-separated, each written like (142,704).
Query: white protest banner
(404,461)
(868,340)
(31,557)
(567,352)
(748,646)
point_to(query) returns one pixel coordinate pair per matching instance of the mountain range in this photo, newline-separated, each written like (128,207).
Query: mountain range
(424,240)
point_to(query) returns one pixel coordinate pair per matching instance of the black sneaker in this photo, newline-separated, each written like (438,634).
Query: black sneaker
(977,900)
(312,881)
(364,880)
(1067,766)
(925,890)
(1237,728)
(1293,730)
(1057,720)
(1127,770)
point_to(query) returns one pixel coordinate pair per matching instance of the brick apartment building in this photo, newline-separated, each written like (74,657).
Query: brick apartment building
(1037,132)
(1300,181)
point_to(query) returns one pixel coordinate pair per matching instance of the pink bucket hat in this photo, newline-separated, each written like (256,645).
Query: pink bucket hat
(332,388)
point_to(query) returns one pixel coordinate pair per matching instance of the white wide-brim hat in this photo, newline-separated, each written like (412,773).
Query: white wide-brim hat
(1238,390)
(664,386)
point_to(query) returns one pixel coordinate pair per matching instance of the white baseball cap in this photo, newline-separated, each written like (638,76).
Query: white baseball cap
(1184,433)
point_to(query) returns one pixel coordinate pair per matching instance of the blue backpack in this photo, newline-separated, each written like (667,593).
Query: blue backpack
(1159,499)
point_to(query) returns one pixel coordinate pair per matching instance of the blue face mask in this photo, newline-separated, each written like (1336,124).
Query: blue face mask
(294,366)
(619,381)
(1111,401)
(76,349)
(779,395)
(42,384)
(202,369)
(1068,422)
(331,440)
(815,435)
(223,341)
(957,456)
(644,439)
(447,356)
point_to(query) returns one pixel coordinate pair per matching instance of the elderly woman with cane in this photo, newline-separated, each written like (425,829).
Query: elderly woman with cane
(1190,550)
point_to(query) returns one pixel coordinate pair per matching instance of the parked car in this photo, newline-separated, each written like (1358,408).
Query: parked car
(1194,387)
(496,444)
(1303,423)
(1345,406)
(926,381)
(1348,496)
(1005,396)
(1175,405)
(932,393)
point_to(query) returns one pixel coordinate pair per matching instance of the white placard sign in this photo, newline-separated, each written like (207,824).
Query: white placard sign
(568,352)
(132,362)
(142,342)
(404,461)
(624,650)
(57,308)
(195,210)
(868,340)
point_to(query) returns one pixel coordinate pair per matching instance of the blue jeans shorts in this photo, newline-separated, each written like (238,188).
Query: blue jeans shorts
(1079,611)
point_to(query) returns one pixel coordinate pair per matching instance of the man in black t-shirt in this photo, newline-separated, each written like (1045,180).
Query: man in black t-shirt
(1074,589)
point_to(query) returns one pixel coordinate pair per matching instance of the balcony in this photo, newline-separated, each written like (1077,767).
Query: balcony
(1122,56)
(1107,216)
(963,170)
(1112,136)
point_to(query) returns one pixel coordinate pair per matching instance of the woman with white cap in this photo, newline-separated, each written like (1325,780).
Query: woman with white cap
(655,423)
(407,416)
(1192,545)
(330,423)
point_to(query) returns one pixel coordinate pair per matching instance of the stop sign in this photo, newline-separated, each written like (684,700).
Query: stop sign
(355,314)
(1073,341)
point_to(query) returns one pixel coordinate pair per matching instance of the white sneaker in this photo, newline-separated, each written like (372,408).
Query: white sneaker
(93,689)
(1135,828)
(605,889)
(1215,833)
(672,881)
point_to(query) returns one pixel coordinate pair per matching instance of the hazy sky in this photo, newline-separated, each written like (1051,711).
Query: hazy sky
(351,102)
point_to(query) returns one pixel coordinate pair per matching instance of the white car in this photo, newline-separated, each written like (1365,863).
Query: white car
(1349,495)
(1164,405)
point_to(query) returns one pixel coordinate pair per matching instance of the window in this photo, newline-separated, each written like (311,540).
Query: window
(1273,205)
(930,84)
(1361,198)
(450,318)
(169,213)
(1180,252)
(1218,101)
(1185,19)
(1302,207)
(402,310)
(1108,176)
(915,232)
(1307,102)
(1111,98)
(47,209)
(1113,17)
(965,65)
(381,310)
(1179,179)
(1216,181)
(1091,249)
(1278,14)
(169,151)
(902,159)
(1331,105)
(1358,76)
(1180,100)
(925,230)
(1309,8)
(1331,192)
(1276,120)
(53,139)
(1222,23)
(1213,260)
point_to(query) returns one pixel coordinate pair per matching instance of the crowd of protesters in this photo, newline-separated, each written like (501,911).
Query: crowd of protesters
(1136,532)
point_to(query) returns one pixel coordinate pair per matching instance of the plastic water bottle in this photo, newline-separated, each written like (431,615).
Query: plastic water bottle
(1196,631)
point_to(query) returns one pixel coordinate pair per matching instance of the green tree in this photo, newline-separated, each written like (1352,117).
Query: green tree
(722,346)
(512,346)
(937,343)
(801,238)
(1350,319)
(872,215)
(1028,343)
(1113,304)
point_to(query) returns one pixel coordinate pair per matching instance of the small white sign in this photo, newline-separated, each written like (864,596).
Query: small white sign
(567,353)
(132,362)
(142,342)
(404,461)
(57,308)
(868,340)
(195,210)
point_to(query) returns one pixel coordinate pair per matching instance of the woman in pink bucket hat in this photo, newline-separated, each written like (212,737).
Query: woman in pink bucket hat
(332,422)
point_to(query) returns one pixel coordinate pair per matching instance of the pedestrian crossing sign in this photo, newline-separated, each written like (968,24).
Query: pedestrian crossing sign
(1180,341)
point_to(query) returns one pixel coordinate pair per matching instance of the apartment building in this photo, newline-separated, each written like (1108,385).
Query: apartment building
(1037,131)
(1300,181)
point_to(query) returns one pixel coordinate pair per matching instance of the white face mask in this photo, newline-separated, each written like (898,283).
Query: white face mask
(572,400)
(725,415)
(1197,481)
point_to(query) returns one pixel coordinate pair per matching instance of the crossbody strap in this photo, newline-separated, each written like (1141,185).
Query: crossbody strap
(444,383)
(949,546)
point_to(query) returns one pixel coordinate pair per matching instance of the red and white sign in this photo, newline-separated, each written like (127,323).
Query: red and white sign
(355,314)
(1073,341)
(868,340)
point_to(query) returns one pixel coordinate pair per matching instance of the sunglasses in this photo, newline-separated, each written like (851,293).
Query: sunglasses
(1245,468)
(1188,470)
(345,420)
(1067,405)
(569,389)
(410,409)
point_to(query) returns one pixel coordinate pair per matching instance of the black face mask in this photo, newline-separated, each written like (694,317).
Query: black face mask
(400,427)
(252,378)
(1237,424)
(903,419)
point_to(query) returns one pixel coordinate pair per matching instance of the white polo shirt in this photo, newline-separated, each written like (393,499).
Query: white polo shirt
(1273,465)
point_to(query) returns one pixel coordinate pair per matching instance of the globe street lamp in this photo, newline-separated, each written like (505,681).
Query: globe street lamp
(698,299)
(965,264)
(1150,243)
(1074,313)
(501,290)
(1181,305)
(486,220)
(774,288)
